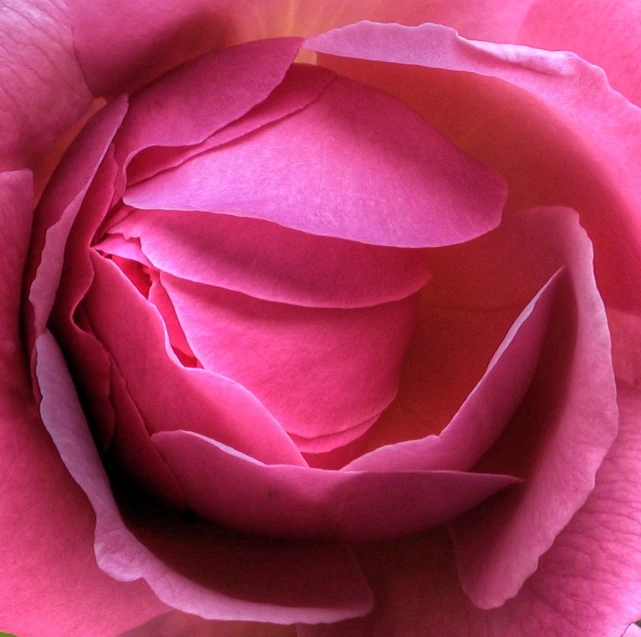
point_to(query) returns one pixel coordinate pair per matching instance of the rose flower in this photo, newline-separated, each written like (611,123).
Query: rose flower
(324,322)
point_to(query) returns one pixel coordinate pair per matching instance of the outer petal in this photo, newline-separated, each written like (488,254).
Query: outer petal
(123,43)
(189,567)
(587,584)
(552,126)
(604,32)
(42,89)
(47,524)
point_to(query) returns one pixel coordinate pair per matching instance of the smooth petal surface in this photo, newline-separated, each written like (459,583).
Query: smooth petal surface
(318,371)
(586,584)
(43,90)
(274,594)
(168,395)
(267,261)
(356,164)
(553,127)
(123,43)
(189,104)
(280,500)
(605,33)
(47,523)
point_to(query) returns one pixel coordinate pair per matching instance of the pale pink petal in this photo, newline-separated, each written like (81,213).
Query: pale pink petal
(318,371)
(43,90)
(47,525)
(168,395)
(267,261)
(449,346)
(175,624)
(121,44)
(560,433)
(356,164)
(59,207)
(279,590)
(286,501)
(604,32)
(586,584)
(626,346)
(550,124)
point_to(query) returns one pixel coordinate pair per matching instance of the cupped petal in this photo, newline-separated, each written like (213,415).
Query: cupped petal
(437,367)
(278,591)
(267,261)
(43,88)
(586,584)
(168,395)
(121,44)
(356,164)
(604,33)
(285,501)
(47,524)
(561,431)
(318,371)
(59,206)
(190,103)
(551,125)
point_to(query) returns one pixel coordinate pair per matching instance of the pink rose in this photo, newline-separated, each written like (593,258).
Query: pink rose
(322,337)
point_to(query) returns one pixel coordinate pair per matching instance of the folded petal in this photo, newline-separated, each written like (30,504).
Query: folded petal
(286,501)
(586,584)
(267,261)
(356,164)
(47,523)
(604,33)
(168,395)
(318,371)
(551,125)
(278,590)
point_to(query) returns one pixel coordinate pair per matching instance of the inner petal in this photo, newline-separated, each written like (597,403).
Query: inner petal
(319,371)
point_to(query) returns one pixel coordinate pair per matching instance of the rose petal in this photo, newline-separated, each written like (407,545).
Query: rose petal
(59,207)
(267,261)
(486,409)
(565,135)
(604,33)
(43,89)
(318,371)
(559,435)
(586,584)
(275,593)
(386,177)
(187,105)
(168,395)
(47,524)
(285,501)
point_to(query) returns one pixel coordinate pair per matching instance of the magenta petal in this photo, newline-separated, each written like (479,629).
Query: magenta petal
(356,164)
(558,436)
(168,395)
(121,555)
(267,261)
(60,204)
(286,501)
(487,409)
(587,584)
(597,122)
(187,105)
(317,370)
